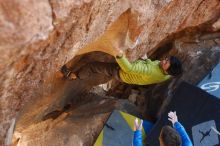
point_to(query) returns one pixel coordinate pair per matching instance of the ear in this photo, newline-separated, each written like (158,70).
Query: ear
(161,142)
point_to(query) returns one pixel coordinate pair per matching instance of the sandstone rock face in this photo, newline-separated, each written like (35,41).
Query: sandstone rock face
(24,22)
(38,37)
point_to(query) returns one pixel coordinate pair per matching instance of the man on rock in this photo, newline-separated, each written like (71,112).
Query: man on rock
(139,72)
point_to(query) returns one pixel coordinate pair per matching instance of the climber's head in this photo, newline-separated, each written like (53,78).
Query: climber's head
(171,65)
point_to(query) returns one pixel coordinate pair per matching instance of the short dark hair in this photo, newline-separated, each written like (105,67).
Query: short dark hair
(170,137)
(175,68)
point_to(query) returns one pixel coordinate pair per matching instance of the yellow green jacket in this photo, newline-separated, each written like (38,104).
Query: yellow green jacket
(141,72)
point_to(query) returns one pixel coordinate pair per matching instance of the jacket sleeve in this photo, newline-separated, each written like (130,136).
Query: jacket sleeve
(137,139)
(147,126)
(184,136)
(128,67)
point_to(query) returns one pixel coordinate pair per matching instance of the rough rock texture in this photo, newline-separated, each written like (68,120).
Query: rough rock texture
(74,126)
(24,22)
(38,37)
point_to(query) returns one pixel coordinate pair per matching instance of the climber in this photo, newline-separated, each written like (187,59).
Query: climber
(139,72)
(169,136)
